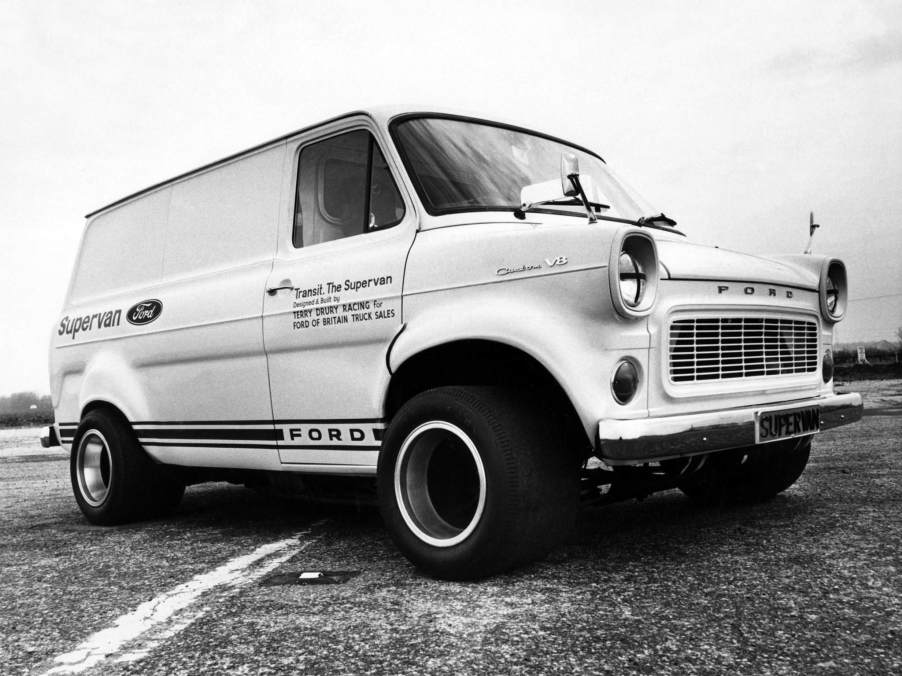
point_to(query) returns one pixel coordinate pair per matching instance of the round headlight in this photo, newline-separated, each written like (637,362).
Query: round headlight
(832,295)
(833,290)
(625,382)
(633,280)
(633,273)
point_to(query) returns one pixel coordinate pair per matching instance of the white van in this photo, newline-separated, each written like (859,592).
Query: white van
(478,318)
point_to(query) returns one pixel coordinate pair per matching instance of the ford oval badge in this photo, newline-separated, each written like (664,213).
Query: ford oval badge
(144,312)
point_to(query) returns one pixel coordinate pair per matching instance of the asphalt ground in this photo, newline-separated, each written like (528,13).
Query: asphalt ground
(806,583)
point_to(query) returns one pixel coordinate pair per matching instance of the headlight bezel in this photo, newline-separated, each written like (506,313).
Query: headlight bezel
(833,290)
(642,254)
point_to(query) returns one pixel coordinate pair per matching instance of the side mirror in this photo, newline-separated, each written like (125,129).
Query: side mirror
(569,169)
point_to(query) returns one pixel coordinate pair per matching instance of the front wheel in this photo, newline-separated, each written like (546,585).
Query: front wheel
(475,480)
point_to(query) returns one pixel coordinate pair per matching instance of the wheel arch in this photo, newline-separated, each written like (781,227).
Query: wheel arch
(482,362)
(102,404)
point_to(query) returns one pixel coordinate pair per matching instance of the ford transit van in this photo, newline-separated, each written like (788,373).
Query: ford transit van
(479,320)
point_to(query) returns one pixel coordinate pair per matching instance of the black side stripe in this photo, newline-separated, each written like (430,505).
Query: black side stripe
(68,430)
(252,435)
(337,447)
(329,464)
(194,444)
(202,422)
(298,421)
(332,421)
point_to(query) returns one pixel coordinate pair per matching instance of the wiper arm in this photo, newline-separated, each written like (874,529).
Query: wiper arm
(520,212)
(654,220)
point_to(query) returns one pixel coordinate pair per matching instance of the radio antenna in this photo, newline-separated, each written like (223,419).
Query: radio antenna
(812,226)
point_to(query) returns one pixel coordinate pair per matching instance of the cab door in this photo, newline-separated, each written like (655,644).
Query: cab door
(333,302)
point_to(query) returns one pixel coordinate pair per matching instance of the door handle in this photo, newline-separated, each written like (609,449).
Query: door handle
(283,285)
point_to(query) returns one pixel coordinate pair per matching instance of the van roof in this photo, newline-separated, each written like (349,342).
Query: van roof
(379,114)
(222,160)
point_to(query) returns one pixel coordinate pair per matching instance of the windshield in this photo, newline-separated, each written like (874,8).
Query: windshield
(460,165)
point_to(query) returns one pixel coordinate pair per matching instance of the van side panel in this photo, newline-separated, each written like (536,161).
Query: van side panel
(121,255)
(122,249)
(224,218)
(192,380)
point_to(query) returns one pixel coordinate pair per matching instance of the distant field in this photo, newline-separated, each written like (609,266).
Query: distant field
(29,419)
(886,371)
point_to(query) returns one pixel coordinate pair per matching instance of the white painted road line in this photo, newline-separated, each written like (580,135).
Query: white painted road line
(133,635)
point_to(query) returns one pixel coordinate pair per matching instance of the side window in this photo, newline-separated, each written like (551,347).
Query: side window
(344,188)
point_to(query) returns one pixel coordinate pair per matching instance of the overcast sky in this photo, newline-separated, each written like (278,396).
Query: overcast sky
(734,120)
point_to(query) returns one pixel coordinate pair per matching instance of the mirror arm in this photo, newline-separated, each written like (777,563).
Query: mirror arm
(577,184)
(570,172)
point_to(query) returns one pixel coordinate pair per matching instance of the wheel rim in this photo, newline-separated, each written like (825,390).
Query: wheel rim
(440,484)
(93,467)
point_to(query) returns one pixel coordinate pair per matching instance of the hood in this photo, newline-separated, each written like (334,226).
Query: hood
(684,260)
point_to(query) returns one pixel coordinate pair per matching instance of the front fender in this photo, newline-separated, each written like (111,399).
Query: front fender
(810,265)
(564,321)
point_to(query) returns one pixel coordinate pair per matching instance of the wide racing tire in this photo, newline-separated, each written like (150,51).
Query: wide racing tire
(754,474)
(113,479)
(476,480)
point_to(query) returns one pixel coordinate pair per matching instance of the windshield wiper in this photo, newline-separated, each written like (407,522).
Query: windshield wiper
(520,212)
(655,220)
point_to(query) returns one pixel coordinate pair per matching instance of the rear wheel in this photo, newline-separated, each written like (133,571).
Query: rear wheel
(113,479)
(475,480)
(752,474)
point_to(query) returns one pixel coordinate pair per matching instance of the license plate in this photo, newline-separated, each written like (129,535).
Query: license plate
(786,423)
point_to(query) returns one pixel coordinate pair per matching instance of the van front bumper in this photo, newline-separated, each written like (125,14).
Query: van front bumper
(630,442)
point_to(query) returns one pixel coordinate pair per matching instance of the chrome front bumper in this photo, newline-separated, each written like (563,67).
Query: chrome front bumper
(630,442)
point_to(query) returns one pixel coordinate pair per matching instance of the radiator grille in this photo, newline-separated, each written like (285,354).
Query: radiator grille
(719,348)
